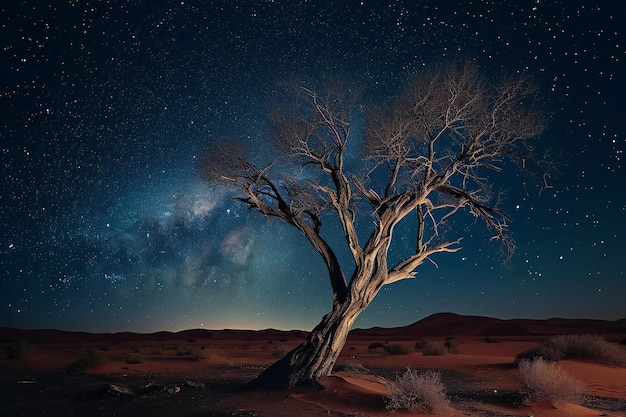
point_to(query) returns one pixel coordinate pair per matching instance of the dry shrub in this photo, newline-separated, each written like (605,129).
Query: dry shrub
(396,349)
(586,346)
(452,345)
(92,359)
(592,347)
(542,380)
(375,346)
(434,349)
(16,349)
(417,391)
(195,354)
(200,354)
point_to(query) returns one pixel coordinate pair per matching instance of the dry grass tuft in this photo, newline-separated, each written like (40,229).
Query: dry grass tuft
(396,349)
(587,346)
(592,347)
(542,380)
(92,359)
(417,391)
(434,349)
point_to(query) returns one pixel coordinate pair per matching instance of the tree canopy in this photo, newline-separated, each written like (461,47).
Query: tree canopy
(429,152)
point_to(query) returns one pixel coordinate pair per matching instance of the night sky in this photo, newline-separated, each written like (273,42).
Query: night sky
(105,108)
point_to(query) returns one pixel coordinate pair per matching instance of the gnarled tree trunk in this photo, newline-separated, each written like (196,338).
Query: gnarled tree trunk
(316,356)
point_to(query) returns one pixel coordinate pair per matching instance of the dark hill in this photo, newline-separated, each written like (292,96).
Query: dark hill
(436,325)
(450,324)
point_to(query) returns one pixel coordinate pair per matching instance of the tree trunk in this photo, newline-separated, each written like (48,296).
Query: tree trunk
(316,356)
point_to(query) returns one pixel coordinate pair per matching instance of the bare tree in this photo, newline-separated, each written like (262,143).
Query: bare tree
(429,153)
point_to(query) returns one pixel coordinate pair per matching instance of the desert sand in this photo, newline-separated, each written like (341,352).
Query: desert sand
(201,373)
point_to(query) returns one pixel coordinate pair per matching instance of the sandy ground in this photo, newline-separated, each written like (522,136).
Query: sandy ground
(205,378)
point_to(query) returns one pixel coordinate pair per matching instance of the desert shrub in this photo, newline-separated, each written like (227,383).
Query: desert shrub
(452,345)
(199,354)
(586,346)
(417,391)
(350,366)
(544,353)
(196,354)
(591,347)
(376,345)
(433,349)
(396,349)
(542,380)
(16,349)
(490,340)
(92,359)
(421,344)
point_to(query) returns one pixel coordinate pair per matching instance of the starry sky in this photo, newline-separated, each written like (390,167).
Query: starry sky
(105,107)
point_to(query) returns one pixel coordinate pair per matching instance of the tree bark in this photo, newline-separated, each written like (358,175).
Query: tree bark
(316,356)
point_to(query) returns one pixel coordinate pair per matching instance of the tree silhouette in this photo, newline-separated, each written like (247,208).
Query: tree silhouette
(431,153)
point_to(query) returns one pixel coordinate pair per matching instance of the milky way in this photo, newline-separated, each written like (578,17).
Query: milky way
(105,108)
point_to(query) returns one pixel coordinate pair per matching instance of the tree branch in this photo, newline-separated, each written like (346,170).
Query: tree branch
(406,268)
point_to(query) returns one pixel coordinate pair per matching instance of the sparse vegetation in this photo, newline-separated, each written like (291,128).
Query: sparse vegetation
(421,344)
(16,349)
(376,345)
(490,340)
(452,345)
(433,349)
(350,366)
(200,354)
(92,359)
(542,380)
(417,391)
(396,349)
(591,347)
(194,354)
(539,353)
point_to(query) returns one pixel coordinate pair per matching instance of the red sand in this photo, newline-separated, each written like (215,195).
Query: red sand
(345,393)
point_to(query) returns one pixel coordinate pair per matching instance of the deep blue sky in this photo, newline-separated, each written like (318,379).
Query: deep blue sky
(105,106)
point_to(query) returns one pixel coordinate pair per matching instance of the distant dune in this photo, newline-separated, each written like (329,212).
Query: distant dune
(450,324)
(436,325)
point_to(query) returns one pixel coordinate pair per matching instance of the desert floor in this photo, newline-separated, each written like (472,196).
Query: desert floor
(205,378)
